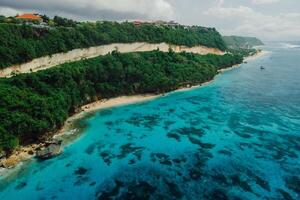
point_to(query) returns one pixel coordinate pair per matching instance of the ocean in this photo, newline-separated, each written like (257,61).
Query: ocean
(236,138)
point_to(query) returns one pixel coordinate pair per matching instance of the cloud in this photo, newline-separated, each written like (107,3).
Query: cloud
(8,11)
(267,19)
(221,2)
(264,1)
(96,9)
(222,12)
(246,21)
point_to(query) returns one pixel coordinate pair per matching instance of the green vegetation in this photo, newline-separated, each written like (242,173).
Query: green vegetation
(21,43)
(242,46)
(46,20)
(242,52)
(242,42)
(2,19)
(32,105)
(60,21)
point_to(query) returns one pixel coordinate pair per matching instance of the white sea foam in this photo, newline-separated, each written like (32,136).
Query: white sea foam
(290,46)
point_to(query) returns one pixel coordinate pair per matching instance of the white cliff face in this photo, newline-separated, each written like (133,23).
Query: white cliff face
(78,54)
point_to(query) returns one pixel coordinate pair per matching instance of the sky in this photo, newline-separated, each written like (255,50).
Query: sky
(266,19)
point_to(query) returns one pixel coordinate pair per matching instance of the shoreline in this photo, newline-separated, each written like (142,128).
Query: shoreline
(246,59)
(103,104)
(28,152)
(256,55)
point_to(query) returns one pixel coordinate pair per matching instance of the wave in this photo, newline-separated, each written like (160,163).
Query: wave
(290,46)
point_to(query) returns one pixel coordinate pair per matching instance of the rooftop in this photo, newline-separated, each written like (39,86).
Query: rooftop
(29,16)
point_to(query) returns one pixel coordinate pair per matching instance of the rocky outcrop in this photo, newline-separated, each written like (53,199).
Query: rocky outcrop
(19,155)
(78,54)
(42,151)
(10,162)
(51,149)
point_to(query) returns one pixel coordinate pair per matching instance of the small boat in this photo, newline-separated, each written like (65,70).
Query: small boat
(262,67)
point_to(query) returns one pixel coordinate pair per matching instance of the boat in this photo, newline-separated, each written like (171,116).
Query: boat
(262,67)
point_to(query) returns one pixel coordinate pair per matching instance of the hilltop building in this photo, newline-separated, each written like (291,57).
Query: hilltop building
(137,23)
(173,23)
(159,23)
(28,17)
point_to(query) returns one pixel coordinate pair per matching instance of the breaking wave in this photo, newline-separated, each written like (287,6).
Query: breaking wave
(290,46)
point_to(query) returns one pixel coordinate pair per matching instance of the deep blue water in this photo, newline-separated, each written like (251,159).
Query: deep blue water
(237,138)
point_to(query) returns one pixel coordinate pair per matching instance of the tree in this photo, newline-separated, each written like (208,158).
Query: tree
(45,18)
(32,105)
(60,21)
(2,19)
(68,35)
(8,142)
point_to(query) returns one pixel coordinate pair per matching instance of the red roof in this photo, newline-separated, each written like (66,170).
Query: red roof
(137,22)
(29,16)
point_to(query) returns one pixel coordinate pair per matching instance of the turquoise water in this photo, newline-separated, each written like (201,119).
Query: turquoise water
(237,138)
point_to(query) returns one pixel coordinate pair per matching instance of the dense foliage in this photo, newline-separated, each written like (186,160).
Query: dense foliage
(241,42)
(21,43)
(34,104)
(242,51)
(60,21)
(2,19)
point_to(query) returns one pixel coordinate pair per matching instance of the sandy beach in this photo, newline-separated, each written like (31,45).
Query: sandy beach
(257,55)
(102,104)
(247,59)
(28,152)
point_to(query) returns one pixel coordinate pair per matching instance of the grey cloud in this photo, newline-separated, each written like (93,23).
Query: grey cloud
(276,21)
(97,9)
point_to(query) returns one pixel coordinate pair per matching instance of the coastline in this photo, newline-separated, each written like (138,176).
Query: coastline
(246,59)
(256,55)
(102,104)
(28,152)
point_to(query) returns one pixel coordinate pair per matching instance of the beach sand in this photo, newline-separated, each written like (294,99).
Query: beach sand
(247,59)
(257,55)
(102,104)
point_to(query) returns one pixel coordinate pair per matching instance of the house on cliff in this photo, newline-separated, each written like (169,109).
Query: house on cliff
(28,17)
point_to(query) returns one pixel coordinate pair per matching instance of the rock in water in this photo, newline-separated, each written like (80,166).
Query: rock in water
(10,162)
(53,149)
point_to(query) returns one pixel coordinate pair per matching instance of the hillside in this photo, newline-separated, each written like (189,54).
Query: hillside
(22,43)
(46,62)
(36,104)
(242,42)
